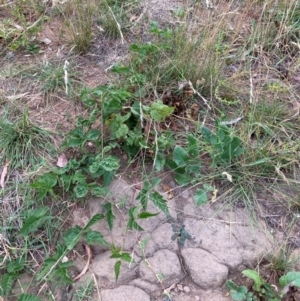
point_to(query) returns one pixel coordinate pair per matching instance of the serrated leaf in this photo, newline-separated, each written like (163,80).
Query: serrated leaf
(28,297)
(93,135)
(72,237)
(99,191)
(132,224)
(16,266)
(201,197)
(109,163)
(127,257)
(37,218)
(109,215)
(78,177)
(159,202)
(94,237)
(95,219)
(81,190)
(290,278)
(117,269)
(6,284)
(180,156)
(122,131)
(159,111)
(145,214)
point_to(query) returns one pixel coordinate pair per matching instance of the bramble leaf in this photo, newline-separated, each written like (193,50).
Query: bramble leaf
(109,215)
(117,269)
(94,237)
(159,202)
(160,111)
(96,218)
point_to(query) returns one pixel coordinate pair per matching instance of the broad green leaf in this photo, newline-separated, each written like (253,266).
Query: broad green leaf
(117,269)
(201,197)
(109,107)
(240,294)
(28,297)
(180,156)
(160,111)
(108,177)
(208,187)
(93,135)
(145,214)
(291,278)
(95,166)
(72,237)
(74,142)
(159,202)
(208,135)
(182,179)
(95,219)
(258,281)
(109,215)
(94,237)
(80,190)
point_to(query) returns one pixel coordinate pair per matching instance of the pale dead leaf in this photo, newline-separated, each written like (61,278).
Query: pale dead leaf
(17,96)
(296,108)
(62,160)
(46,41)
(132,18)
(214,196)
(3,174)
(228,176)
(281,174)
(84,270)
(20,28)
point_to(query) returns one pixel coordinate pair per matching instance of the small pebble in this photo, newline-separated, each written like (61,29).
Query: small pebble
(197,298)
(180,287)
(187,290)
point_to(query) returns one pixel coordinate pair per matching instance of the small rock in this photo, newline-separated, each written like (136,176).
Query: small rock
(294,258)
(124,292)
(187,290)
(180,287)
(204,268)
(197,298)
(165,265)
(46,41)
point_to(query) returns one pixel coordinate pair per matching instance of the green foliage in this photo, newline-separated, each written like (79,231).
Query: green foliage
(185,163)
(180,234)
(13,268)
(201,196)
(36,219)
(262,289)
(22,142)
(224,145)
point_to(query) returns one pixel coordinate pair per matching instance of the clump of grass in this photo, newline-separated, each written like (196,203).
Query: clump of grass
(79,23)
(22,142)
